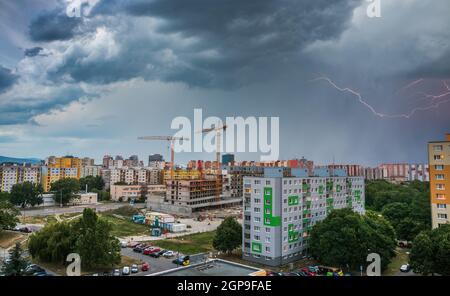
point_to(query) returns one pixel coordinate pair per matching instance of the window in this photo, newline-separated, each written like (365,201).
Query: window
(440,196)
(256,228)
(267,182)
(257,237)
(441,206)
(267,239)
(257,219)
(439,177)
(440,186)
(439,157)
(268,250)
(257,210)
(439,167)
(437,148)
(267,229)
(442,216)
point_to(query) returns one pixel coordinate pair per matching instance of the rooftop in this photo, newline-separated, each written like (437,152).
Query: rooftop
(215,267)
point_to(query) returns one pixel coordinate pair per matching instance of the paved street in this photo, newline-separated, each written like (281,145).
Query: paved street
(75,209)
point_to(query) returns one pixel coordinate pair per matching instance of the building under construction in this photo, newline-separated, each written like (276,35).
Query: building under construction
(185,197)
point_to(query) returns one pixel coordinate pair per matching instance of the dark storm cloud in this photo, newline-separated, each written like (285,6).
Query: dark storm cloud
(235,39)
(7,79)
(53,25)
(32,52)
(438,68)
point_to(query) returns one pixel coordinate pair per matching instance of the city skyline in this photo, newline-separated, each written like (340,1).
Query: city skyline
(89,86)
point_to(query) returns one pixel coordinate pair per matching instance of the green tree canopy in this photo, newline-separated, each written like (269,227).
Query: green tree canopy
(8,215)
(93,183)
(26,194)
(228,235)
(17,263)
(345,238)
(88,236)
(430,253)
(53,243)
(65,189)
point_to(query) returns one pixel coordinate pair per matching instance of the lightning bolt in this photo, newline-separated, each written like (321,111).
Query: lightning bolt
(435,102)
(411,84)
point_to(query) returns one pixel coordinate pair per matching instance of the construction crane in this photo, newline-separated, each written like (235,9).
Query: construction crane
(218,129)
(171,140)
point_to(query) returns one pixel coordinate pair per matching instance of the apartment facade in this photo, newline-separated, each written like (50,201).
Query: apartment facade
(14,174)
(439,162)
(58,168)
(280,210)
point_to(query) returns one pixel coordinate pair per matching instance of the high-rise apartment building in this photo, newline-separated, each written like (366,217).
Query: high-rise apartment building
(439,163)
(281,207)
(59,168)
(14,174)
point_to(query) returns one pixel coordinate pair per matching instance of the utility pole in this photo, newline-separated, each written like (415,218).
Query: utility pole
(60,201)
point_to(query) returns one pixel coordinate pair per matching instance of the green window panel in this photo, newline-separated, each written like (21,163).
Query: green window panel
(269,219)
(293,200)
(306,212)
(338,188)
(329,200)
(321,189)
(256,247)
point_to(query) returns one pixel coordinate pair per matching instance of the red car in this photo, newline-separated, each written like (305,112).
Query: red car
(306,271)
(150,250)
(145,266)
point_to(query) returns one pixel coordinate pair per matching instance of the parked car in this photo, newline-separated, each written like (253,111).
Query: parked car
(405,268)
(32,269)
(155,252)
(168,254)
(132,244)
(145,266)
(126,270)
(182,260)
(134,268)
(273,273)
(116,272)
(308,273)
(140,248)
(150,250)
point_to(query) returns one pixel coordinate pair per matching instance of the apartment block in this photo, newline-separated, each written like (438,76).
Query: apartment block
(439,162)
(90,170)
(130,176)
(14,174)
(280,210)
(59,168)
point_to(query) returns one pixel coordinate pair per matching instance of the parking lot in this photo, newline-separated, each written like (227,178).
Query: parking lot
(156,264)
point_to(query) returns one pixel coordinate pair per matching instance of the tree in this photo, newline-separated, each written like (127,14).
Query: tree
(431,252)
(88,236)
(345,238)
(8,215)
(102,195)
(26,194)
(228,235)
(4,196)
(65,189)
(395,212)
(93,183)
(17,264)
(407,229)
(95,244)
(53,243)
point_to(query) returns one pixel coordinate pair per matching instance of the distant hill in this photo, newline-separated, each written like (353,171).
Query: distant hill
(4,159)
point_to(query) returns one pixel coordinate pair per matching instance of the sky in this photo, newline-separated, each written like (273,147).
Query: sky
(346,87)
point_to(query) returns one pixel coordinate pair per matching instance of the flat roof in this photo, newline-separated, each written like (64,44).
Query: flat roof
(216,267)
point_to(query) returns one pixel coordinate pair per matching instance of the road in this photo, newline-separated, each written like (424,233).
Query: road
(75,209)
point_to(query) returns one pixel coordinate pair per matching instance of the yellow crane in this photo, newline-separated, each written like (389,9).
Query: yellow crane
(171,140)
(218,129)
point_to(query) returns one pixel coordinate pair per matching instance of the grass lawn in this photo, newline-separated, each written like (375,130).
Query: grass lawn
(189,244)
(9,238)
(400,258)
(36,219)
(125,227)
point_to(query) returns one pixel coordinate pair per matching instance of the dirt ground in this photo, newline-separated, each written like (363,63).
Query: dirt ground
(9,238)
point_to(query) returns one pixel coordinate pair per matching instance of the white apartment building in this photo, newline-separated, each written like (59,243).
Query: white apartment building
(13,174)
(280,210)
